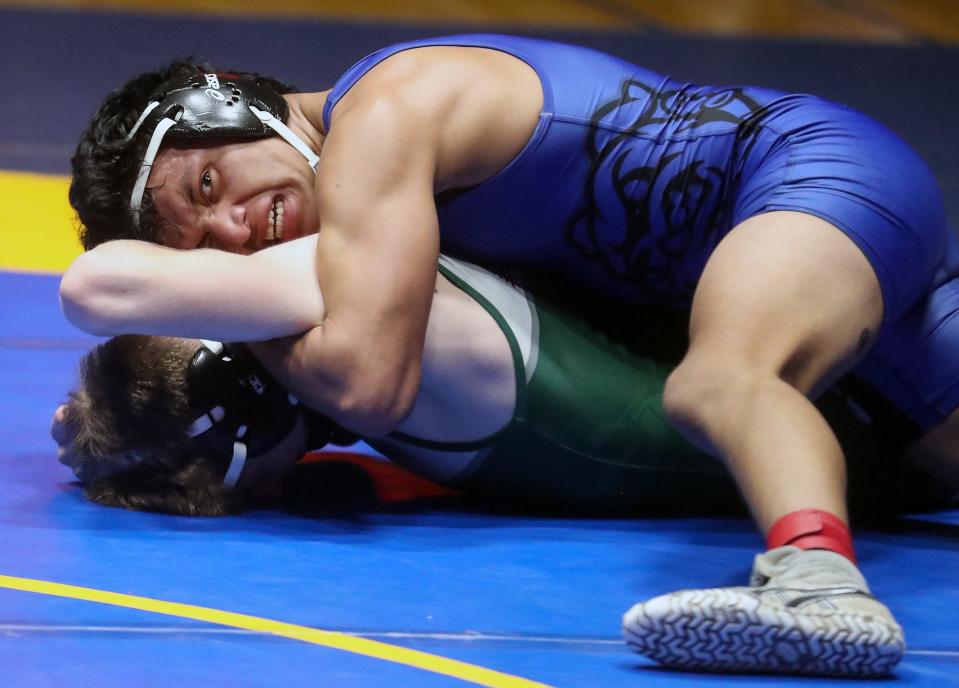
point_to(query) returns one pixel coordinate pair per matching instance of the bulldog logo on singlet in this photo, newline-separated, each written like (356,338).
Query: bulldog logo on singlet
(668,209)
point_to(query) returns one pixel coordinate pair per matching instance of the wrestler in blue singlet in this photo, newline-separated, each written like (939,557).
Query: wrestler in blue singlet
(631,179)
(915,360)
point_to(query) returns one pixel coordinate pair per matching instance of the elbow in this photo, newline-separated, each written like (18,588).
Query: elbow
(93,291)
(363,390)
(79,295)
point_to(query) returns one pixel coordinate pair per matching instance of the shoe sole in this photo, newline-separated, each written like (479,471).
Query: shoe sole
(731,631)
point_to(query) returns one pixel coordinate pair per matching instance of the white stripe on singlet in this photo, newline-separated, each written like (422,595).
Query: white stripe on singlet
(513,304)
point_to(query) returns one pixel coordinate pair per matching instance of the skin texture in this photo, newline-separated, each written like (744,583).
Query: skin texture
(124,287)
(432,109)
(742,390)
(220,196)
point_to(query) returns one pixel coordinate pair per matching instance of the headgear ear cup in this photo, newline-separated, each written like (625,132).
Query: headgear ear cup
(241,411)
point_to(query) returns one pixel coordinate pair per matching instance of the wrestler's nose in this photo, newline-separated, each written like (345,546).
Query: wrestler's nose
(228,228)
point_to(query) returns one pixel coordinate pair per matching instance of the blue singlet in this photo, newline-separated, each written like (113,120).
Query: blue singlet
(631,179)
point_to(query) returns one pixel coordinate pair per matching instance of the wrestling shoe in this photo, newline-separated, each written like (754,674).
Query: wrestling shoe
(805,612)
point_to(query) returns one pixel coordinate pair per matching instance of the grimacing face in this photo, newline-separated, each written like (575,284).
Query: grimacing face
(236,196)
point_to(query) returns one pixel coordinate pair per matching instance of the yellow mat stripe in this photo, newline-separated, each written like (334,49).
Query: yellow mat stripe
(331,639)
(37,229)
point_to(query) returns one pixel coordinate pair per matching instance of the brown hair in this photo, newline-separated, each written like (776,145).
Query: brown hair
(130,420)
(105,164)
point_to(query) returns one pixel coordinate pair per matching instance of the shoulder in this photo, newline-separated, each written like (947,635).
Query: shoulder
(468,110)
(399,111)
(436,78)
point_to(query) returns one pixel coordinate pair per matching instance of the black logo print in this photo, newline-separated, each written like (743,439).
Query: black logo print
(667,209)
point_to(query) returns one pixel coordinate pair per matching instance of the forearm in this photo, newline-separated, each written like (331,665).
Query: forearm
(315,367)
(129,286)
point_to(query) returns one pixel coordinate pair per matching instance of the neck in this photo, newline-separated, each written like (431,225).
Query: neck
(306,117)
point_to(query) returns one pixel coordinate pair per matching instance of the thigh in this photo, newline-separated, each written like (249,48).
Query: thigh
(786,293)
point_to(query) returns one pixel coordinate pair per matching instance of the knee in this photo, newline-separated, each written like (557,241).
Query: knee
(700,390)
(685,388)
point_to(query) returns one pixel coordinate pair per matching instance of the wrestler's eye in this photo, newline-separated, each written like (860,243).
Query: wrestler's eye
(206,183)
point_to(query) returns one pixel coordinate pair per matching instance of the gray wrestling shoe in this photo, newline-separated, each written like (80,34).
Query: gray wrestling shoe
(806,612)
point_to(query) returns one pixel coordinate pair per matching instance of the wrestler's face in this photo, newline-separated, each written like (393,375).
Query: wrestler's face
(238,197)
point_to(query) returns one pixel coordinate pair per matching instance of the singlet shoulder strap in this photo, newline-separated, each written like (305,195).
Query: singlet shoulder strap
(512,45)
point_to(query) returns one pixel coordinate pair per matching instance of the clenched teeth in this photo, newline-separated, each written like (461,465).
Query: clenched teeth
(274,230)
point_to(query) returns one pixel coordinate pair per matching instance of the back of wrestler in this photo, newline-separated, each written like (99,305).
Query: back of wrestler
(630,179)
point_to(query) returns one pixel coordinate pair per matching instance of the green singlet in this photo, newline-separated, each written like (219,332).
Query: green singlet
(588,431)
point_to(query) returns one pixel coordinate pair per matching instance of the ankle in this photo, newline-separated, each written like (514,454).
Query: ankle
(812,529)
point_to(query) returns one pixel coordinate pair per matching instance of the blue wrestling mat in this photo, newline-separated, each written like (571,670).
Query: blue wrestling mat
(428,593)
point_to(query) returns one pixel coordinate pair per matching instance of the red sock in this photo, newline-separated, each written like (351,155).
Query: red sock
(812,529)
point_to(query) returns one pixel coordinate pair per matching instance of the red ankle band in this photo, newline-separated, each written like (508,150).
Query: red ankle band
(812,529)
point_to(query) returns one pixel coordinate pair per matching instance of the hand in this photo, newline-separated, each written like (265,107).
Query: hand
(63,435)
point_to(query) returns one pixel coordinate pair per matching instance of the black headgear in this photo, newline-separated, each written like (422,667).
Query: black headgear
(208,105)
(241,410)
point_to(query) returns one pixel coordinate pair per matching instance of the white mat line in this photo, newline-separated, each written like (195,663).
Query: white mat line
(57,628)
(400,635)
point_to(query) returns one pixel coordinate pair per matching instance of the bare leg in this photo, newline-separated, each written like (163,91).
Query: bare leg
(786,304)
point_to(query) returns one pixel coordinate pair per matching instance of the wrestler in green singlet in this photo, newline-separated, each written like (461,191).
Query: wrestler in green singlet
(588,430)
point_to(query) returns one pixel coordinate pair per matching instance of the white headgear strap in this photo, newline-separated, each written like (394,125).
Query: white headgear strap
(287,135)
(139,188)
(136,198)
(238,461)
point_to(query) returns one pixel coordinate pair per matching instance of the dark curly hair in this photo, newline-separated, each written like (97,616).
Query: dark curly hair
(105,164)
(130,419)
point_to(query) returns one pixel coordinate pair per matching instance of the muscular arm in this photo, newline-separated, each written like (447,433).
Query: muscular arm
(376,261)
(135,287)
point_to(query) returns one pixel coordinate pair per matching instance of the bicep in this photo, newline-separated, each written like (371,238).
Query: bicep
(379,237)
(376,265)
